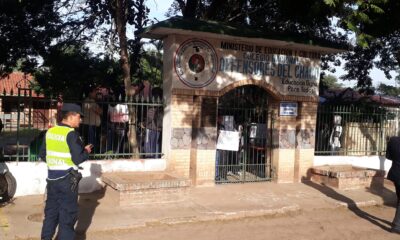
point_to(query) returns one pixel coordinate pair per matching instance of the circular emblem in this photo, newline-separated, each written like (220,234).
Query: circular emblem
(196,63)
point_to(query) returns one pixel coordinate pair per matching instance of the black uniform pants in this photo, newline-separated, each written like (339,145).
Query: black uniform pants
(396,220)
(61,209)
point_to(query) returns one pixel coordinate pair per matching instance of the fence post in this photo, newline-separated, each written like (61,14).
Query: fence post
(18,121)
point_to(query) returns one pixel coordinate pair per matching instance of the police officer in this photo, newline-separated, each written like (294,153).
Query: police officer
(63,151)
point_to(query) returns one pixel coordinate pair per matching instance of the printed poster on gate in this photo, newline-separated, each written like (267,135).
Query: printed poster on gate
(228,140)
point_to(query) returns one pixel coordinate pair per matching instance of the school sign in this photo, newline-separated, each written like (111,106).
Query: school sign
(203,61)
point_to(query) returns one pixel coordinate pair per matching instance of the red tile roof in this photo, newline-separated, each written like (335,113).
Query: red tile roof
(10,83)
(386,100)
(349,95)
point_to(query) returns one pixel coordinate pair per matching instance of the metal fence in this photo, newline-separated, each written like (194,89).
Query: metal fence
(360,130)
(128,128)
(135,132)
(243,115)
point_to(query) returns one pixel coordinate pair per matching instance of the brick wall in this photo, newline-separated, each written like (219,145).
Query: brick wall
(192,140)
(205,171)
(305,138)
(182,109)
(146,196)
(293,142)
(181,127)
(283,161)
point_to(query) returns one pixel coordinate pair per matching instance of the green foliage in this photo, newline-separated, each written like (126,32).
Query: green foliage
(331,81)
(331,3)
(71,71)
(376,24)
(27,28)
(328,82)
(388,90)
(31,30)
(151,67)
(113,18)
(151,64)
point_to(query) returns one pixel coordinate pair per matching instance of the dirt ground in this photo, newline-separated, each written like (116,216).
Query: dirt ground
(371,223)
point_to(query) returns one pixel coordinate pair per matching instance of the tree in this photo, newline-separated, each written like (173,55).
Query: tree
(306,18)
(54,30)
(151,63)
(70,71)
(119,15)
(108,21)
(27,29)
(329,82)
(376,24)
(30,30)
(390,90)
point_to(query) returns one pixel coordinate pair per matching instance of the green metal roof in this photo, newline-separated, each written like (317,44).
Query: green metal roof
(180,25)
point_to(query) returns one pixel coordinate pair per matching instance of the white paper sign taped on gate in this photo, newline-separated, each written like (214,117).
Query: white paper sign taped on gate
(228,140)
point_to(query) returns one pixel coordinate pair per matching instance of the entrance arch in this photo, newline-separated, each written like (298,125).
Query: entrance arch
(242,150)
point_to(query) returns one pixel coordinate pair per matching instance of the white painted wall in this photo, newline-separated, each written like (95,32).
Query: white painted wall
(374,162)
(31,176)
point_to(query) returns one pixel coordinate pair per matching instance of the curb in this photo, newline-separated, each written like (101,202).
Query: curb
(209,216)
(226,216)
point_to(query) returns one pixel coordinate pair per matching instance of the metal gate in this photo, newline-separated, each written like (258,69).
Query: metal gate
(242,151)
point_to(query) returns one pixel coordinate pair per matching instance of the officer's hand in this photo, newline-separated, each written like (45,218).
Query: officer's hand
(88,148)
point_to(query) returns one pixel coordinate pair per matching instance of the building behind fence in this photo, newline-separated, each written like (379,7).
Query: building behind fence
(350,129)
(26,118)
(365,129)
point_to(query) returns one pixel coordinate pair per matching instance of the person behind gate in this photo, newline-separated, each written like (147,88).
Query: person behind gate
(118,127)
(63,151)
(92,122)
(153,124)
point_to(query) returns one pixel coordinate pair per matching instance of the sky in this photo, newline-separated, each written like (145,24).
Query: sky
(158,8)
(377,77)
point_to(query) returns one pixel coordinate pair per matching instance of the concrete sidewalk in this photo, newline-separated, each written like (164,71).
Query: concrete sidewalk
(22,218)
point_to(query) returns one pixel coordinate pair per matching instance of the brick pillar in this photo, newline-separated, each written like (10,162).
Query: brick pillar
(195,126)
(283,145)
(293,141)
(180,134)
(192,140)
(305,138)
(204,141)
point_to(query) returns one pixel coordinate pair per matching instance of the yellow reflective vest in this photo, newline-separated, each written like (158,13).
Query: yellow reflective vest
(58,154)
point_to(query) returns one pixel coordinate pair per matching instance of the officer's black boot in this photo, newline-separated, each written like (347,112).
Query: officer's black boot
(396,221)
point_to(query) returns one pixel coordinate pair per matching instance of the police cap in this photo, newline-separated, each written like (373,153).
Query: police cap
(72,107)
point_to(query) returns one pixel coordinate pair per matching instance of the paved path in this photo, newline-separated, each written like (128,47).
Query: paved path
(367,223)
(22,218)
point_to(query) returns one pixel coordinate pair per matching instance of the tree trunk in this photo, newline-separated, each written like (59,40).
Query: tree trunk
(120,23)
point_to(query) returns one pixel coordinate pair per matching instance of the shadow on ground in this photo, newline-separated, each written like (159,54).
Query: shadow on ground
(88,202)
(351,204)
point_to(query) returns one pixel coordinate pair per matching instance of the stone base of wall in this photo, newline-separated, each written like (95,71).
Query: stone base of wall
(146,196)
(347,176)
(283,161)
(131,188)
